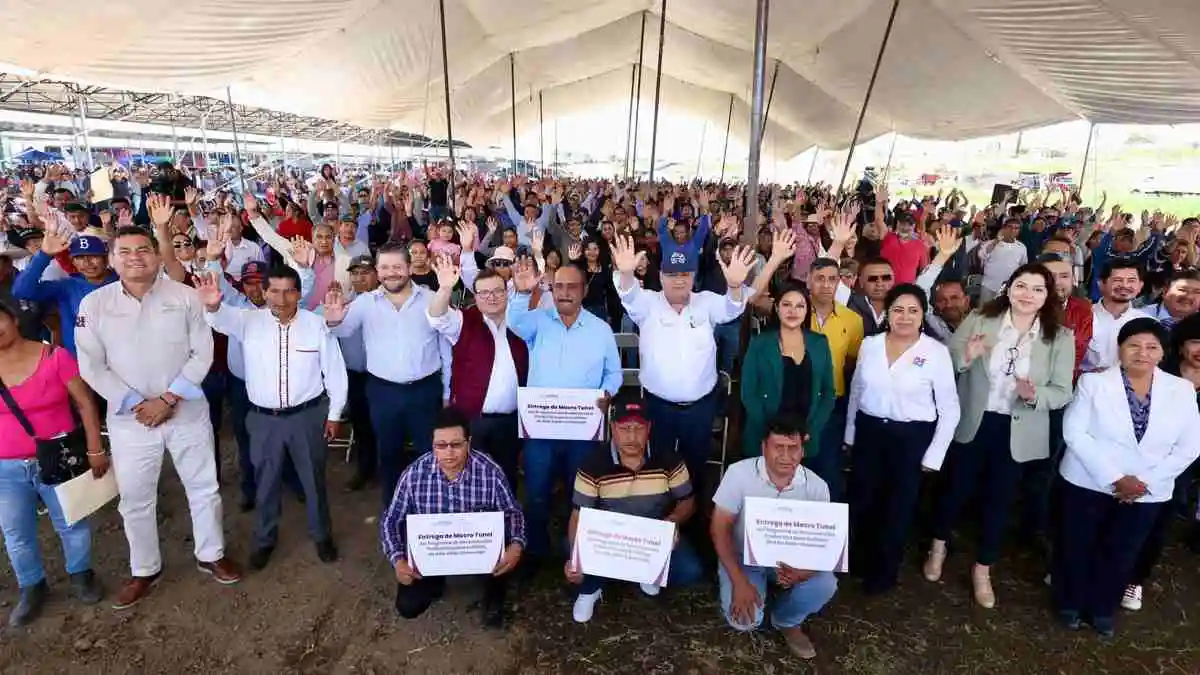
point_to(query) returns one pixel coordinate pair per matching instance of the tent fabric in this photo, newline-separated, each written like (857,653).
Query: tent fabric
(953,68)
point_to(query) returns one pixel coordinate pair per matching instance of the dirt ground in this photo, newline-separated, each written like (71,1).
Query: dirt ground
(302,616)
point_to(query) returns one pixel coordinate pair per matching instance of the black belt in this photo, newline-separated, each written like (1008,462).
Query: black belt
(437,374)
(284,412)
(677,406)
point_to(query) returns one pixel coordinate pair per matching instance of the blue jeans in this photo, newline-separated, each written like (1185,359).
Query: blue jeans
(685,570)
(789,606)
(19,490)
(543,461)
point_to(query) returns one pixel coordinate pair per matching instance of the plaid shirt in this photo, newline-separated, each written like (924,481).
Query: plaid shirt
(424,489)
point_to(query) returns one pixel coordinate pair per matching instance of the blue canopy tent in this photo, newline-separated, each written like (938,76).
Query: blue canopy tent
(31,155)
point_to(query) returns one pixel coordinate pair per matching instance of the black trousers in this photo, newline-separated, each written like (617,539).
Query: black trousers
(1097,546)
(496,434)
(885,483)
(360,420)
(413,600)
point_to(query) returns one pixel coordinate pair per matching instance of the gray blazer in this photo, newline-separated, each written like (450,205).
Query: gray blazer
(1050,368)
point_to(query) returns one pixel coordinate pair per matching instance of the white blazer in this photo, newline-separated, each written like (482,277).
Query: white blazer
(1101,445)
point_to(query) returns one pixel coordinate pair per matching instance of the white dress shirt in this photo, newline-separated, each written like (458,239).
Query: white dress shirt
(501,396)
(918,387)
(293,363)
(678,351)
(1102,350)
(401,345)
(1000,261)
(1101,444)
(1002,393)
(239,254)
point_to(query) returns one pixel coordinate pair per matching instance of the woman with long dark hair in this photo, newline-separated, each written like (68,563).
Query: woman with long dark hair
(1015,361)
(901,415)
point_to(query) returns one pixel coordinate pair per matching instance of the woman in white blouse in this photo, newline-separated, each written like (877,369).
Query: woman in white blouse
(901,415)
(1130,432)
(1015,360)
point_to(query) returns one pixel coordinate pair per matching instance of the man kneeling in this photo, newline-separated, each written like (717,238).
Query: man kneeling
(633,479)
(452,478)
(777,474)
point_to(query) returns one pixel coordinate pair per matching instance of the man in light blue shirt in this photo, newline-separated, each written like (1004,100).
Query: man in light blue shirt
(404,361)
(569,348)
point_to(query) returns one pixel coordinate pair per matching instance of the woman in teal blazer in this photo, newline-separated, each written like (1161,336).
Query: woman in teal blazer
(799,383)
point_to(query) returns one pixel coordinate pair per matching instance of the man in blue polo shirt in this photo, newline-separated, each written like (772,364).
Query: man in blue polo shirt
(89,254)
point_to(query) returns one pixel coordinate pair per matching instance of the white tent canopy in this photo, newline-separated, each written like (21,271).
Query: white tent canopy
(953,69)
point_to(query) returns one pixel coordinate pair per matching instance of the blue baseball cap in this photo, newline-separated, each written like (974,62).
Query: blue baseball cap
(88,245)
(679,261)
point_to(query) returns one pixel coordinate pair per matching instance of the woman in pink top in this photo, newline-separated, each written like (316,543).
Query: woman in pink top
(44,381)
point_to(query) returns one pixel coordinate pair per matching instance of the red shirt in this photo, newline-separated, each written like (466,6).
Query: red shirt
(1079,319)
(291,227)
(907,256)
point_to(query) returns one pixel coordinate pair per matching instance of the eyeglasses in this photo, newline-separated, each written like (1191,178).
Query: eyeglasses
(500,263)
(879,277)
(450,445)
(492,293)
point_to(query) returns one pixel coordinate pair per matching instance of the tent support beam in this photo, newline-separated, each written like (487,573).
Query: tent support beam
(629,123)
(541,136)
(446,86)
(1087,153)
(87,143)
(237,148)
(512,80)
(728,126)
(812,167)
(637,106)
(762,13)
(770,97)
(662,34)
(862,113)
(887,170)
(700,156)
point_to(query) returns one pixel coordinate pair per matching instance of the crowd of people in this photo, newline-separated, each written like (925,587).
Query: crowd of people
(1039,355)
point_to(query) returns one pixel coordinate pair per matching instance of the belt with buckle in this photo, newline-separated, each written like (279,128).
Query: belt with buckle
(284,412)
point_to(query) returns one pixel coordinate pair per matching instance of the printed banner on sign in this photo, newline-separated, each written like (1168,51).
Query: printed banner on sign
(447,544)
(560,414)
(618,546)
(804,535)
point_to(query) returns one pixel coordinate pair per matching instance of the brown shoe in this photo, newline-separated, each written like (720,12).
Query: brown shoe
(799,643)
(223,570)
(134,590)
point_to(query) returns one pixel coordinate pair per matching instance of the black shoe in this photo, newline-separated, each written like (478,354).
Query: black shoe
(85,588)
(528,568)
(30,605)
(493,615)
(326,551)
(357,483)
(246,504)
(260,557)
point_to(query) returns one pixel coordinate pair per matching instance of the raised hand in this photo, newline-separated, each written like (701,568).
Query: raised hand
(843,227)
(948,241)
(160,209)
(625,257)
(525,275)
(975,348)
(783,245)
(447,272)
(191,195)
(728,226)
(54,243)
(208,287)
(492,225)
(105,219)
(739,266)
(466,236)
(574,252)
(537,241)
(335,305)
(215,246)
(251,203)
(303,252)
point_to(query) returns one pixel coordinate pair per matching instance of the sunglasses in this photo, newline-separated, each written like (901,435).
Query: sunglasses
(181,244)
(501,263)
(879,277)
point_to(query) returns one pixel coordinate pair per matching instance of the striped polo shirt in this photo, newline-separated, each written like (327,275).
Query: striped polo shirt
(650,492)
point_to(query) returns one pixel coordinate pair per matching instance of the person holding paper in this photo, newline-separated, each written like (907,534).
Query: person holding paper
(1130,432)
(677,350)
(570,348)
(628,478)
(777,474)
(43,382)
(902,412)
(452,478)
(297,388)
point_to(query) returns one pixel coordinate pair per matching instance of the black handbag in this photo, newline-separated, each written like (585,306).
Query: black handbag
(60,458)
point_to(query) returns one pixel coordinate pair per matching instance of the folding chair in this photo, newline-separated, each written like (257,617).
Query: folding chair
(627,348)
(630,378)
(346,443)
(724,381)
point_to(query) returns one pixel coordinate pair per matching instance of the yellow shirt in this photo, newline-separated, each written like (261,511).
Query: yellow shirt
(843,328)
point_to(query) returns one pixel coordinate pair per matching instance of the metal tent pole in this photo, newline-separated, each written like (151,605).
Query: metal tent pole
(770,97)
(762,13)
(204,137)
(541,137)
(700,157)
(237,149)
(813,166)
(637,104)
(887,170)
(662,34)
(728,125)
(512,80)
(862,113)
(556,147)
(1087,152)
(629,123)
(87,143)
(446,84)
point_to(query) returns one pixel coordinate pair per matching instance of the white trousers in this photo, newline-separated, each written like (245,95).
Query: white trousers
(137,458)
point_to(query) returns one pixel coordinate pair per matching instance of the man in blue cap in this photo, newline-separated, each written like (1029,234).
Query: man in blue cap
(89,255)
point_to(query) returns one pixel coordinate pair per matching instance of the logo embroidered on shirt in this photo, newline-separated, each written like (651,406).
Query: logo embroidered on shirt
(80,321)
(919,361)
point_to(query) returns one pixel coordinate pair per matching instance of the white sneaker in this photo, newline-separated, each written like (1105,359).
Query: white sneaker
(585,606)
(1132,600)
(650,589)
